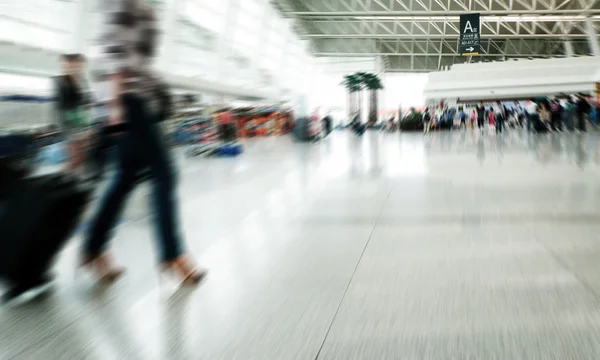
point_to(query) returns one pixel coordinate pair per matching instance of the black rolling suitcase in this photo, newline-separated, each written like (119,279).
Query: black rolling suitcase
(37,216)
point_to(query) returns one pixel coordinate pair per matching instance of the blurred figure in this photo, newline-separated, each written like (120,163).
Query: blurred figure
(545,114)
(582,111)
(569,114)
(480,115)
(129,44)
(597,111)
(357,125)
(71,107)
(501,117)
(463,118)
(556,115)
(327,124)
(491,117)
(518,113)
(473,119)
(594,115)
(426,120)
(532,114)
(227,130)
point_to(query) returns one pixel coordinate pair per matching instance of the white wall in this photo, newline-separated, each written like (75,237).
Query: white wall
(240,47)
(25,85)
(510,79)
(405,89)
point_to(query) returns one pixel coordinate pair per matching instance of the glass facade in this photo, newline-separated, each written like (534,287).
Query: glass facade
(240,43)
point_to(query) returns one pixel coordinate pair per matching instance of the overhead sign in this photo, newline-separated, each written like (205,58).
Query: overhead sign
(469,34)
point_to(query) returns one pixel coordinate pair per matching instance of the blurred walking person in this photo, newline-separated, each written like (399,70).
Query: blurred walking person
(426,120)
(501,117)
(72,102)
(569,114)
(129,43)
(532,114)
(582,109)
(463,118)
(480,115)
(556,115)
(545,114)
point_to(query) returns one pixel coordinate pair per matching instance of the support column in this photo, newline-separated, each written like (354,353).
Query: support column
(568,48)
(592,37)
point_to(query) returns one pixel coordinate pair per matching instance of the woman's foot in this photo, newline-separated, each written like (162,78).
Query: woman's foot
(103,267)
(184,270)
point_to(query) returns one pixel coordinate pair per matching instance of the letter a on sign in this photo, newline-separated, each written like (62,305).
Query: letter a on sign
(468,27)
(469,34)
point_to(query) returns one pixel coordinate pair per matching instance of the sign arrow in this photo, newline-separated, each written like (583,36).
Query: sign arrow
(470,49)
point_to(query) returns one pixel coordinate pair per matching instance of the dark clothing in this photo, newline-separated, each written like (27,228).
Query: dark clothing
(426,117)
(581,121)
(98,155)
(69,94)
(582,109)
(71,98)
(556,120)
(227,132)
(327,124)
(480,123)
(143,146)
(499,123)
(480,112)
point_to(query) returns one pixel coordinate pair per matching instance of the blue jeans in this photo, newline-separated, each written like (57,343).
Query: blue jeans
(140,148)
(499,124)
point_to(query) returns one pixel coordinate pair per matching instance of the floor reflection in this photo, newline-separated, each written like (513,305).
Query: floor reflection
(346,246)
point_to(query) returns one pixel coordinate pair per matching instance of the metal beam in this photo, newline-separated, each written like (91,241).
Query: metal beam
(438,36)
(383,14)
(372,54)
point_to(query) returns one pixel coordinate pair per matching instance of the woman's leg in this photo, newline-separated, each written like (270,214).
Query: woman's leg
(111,205)
(74,154)
(156,155)
(165,206)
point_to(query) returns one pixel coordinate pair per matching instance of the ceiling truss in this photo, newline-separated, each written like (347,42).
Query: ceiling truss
(422,35)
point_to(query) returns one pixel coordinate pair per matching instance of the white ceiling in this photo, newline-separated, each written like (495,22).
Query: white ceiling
(422,35)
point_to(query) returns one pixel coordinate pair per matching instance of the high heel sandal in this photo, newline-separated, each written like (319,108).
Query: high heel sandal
(102,268)
(184,271)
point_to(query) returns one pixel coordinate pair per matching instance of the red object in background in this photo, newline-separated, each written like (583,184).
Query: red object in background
(225,118)
(491,118)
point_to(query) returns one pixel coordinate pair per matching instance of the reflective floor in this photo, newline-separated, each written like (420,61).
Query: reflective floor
(444,246)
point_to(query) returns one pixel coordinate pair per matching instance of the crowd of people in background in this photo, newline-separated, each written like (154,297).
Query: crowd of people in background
(570,113)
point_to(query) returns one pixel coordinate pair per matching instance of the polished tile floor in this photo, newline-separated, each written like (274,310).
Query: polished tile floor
(444,246)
